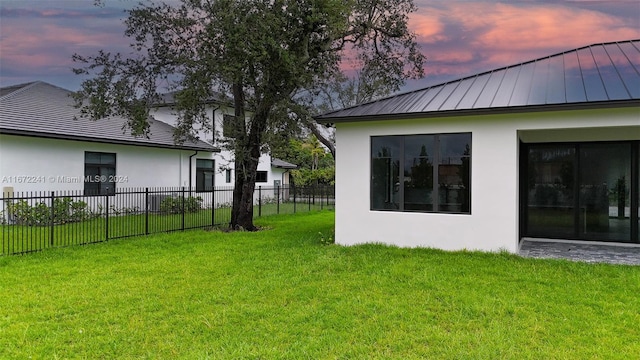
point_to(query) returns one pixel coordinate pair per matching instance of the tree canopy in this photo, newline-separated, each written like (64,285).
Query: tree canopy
(264,54)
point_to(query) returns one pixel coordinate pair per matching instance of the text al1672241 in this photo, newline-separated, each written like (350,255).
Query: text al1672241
(62,179)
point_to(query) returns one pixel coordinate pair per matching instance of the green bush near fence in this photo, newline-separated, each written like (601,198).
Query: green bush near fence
(64,210)
(176,205)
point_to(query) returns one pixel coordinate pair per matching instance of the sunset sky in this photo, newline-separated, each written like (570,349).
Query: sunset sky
(459,38)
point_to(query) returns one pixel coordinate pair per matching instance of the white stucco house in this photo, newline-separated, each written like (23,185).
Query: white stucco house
(271,171)
(546,149)
(43,148)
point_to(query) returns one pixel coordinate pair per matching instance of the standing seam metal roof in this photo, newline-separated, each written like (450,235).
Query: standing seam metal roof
(593,74)
(42,110)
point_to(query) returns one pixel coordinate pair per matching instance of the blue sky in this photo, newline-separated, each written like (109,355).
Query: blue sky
(459,38)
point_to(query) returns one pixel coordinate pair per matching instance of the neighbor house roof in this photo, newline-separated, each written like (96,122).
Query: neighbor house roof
(169,99)
(598,75)
(43,110)
(275,162)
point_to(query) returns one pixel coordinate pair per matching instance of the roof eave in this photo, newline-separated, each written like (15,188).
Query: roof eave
(482,111)
(5,131)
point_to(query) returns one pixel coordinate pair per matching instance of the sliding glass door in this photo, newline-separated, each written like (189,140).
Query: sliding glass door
(551,191)
(581,191)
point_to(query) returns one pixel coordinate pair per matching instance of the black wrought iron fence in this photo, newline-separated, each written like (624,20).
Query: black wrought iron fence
(33,221)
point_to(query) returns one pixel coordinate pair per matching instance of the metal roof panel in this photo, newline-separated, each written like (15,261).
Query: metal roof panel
(607,72)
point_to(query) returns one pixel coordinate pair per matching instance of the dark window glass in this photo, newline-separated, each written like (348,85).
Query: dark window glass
(551,184)
(605,196)
(385,172)
(261,177)
(99,173)
(581,191)
(422,159)
(418,172)
(228,176)
(454,173)
(205,174)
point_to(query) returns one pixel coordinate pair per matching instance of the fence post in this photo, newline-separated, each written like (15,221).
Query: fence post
(146,211)
(278,199)
(294,199)
(53,220)
(213,207)
(321,196)
(183,208)
(309,196)
(106,217)
(260,201)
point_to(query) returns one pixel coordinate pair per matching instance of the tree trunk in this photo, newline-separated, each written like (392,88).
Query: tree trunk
(247,156)
(242,211)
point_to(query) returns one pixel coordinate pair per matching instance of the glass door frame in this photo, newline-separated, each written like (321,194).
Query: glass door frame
(634,189)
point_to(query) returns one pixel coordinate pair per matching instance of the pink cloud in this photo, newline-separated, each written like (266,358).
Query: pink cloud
(461,38)
(38,47)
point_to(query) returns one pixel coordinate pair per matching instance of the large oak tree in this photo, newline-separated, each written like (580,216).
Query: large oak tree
(262,53)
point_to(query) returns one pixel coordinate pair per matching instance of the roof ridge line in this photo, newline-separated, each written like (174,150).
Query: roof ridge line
(23,87)
(480,74)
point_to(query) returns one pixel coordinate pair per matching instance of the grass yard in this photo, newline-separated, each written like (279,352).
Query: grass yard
(281,293)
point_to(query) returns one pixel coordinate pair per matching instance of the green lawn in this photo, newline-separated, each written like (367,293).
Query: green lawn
(280,293)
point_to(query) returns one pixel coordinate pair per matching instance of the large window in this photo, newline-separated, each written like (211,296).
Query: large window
(586,191)
(99,173)
(205,174)
(427,173)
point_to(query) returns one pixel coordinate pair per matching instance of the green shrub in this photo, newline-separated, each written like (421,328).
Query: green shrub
(65,210)
(174,205)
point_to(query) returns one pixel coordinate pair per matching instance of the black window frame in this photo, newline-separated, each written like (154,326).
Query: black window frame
(227,176)
(202,171)
(576,231)
(394,181)
(99,176)
(262,176)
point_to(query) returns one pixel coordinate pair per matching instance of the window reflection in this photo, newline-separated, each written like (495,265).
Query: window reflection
(421,173)
(385,169)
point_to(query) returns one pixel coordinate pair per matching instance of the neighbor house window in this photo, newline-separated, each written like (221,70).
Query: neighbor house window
(99,173)
(261,177)
(227,176)
(230,126)
(205,173)
(426,173)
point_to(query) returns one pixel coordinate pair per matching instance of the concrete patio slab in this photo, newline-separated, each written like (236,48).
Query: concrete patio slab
(581,251)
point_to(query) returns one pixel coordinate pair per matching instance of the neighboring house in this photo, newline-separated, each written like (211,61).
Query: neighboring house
(271,171)
(43,148)
(548,148)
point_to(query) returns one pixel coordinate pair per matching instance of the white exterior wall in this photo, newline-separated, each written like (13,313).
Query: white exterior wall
(223,160)
(38,164)
(493,223)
